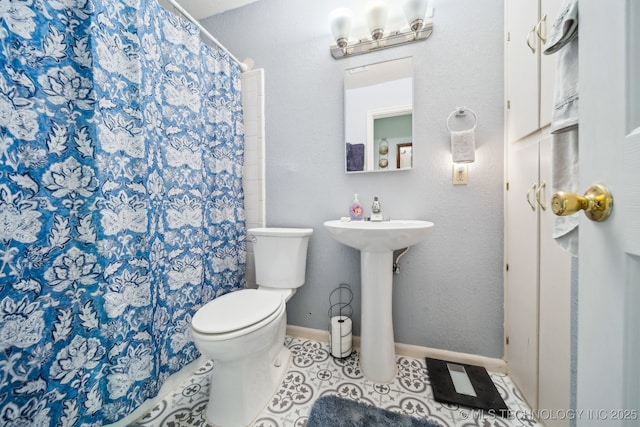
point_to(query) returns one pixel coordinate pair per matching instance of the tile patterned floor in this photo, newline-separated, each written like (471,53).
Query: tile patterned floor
(314,373)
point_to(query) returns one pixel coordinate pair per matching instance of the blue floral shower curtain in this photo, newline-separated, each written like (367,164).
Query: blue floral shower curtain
(121,204)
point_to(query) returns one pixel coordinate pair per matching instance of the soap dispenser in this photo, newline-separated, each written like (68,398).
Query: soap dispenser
(356,209)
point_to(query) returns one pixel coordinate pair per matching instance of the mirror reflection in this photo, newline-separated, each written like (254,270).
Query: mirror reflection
(379,117)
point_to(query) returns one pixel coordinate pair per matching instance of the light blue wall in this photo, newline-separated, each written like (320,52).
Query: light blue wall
(449,294)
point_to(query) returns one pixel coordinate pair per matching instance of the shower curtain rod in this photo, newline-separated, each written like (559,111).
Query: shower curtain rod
(175,4)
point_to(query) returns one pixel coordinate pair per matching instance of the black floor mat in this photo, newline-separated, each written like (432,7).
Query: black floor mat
(487,396)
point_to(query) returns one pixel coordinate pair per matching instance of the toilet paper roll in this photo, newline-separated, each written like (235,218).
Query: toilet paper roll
(341,337)
(340,325)
(341,347)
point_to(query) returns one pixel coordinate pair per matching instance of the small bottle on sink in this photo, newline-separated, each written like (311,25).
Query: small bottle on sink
(355,212)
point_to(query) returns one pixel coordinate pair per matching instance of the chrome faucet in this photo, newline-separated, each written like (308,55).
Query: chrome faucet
(376,210)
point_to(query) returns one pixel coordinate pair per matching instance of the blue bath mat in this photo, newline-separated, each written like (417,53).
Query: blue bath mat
(335,411)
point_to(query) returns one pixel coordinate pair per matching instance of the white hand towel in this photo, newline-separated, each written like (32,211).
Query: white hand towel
(565,27)
(463,146)
(565,112)
(564,177)
(564,41)
(564,119)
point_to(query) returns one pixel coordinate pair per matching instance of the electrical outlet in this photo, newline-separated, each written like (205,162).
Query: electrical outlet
(460,175)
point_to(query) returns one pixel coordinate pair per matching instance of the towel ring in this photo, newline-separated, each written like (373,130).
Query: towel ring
(461,112)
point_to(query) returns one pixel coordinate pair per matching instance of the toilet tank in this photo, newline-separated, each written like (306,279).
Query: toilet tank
(280,255)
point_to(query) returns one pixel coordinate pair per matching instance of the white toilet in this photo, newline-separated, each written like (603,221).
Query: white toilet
(243,331)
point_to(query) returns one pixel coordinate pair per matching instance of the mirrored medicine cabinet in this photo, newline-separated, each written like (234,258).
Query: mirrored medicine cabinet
(378,104)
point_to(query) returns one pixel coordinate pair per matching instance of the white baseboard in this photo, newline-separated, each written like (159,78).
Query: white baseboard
(410,350)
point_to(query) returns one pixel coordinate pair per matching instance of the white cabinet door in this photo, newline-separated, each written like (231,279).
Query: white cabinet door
(538,296)
(554,352)
(522,277)
(530,75)
(522,53)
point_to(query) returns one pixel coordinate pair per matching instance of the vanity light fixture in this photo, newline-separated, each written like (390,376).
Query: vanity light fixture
(415,12)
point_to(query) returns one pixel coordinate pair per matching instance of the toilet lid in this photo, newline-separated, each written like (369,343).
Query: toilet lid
(235,310)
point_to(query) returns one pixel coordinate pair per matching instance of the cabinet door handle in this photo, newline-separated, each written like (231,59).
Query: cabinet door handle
(529,34)
(528,196)
(543,20)
(542,186)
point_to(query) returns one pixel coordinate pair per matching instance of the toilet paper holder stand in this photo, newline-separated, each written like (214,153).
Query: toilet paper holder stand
(340,300)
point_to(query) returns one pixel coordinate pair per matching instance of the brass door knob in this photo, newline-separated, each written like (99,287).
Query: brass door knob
(596,203)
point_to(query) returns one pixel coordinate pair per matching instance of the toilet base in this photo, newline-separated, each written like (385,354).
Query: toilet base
(255,381)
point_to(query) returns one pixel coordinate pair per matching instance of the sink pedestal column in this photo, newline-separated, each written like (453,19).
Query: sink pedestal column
(377,346)
(376,242)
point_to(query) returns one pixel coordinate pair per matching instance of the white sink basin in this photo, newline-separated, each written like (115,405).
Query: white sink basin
(378,236)
(377,241)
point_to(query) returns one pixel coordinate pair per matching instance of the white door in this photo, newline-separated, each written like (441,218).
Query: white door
(608,378)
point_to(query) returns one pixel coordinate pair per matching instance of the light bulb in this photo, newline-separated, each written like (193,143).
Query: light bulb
(414,11)
(340,22)
(376,19)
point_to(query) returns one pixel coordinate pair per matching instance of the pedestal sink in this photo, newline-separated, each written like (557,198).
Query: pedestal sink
(376,242)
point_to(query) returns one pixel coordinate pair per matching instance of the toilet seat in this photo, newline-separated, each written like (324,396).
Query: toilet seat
(236,313)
